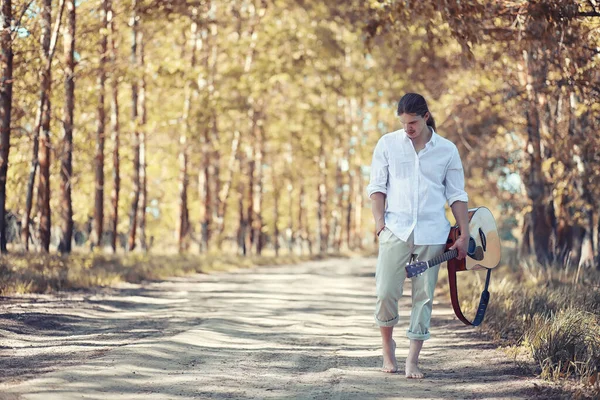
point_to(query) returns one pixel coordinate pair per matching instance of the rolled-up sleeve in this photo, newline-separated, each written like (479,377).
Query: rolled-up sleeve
(455,180)
(379,169)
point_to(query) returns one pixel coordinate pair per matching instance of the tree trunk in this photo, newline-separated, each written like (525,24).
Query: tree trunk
(249,231)
(205,192)
(357,233)
(66,169)
(526,246)
(242,223)
(354,175)
(26,218)
(48,44)
(564,232)
(114,122)
(44,216)
(215,144)
(208,177)
(291,235)
(323,228)
(587,241)
(303,226)
(337,200)
(536,182)
(135,194)
(101,131)
(6,66)
(234,159)
(349,234)
(276,196)
(248,228)
(588,157)
(183,220)
(143,117)
(598,245)
(257,201)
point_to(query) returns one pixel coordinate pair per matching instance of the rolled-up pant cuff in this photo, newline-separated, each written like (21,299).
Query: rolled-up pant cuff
(417,336)
(388,323)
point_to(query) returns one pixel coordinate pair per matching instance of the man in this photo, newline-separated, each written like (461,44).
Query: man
(417,172)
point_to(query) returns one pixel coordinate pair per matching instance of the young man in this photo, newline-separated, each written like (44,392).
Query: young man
(417,172)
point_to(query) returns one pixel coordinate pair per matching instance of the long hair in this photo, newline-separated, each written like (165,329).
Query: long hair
(414,103)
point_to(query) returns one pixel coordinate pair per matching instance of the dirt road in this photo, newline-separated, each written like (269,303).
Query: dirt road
(297,332)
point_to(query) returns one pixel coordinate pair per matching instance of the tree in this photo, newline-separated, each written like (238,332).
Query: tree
(6,68)
(43,155)
(136,36)
(66,169)
(114,124)
(101,128)
(184,219)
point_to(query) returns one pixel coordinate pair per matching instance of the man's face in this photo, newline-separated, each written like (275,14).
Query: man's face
(413,124)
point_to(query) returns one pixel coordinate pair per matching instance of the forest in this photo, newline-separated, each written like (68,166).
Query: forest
(240,126)
(136,135)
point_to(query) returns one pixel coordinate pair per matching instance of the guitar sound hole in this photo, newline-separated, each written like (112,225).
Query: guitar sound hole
(472,246)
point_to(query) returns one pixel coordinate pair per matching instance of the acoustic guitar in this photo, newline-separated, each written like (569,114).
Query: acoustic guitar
(483,253)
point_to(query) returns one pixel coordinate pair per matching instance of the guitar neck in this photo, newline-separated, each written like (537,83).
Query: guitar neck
(449,255)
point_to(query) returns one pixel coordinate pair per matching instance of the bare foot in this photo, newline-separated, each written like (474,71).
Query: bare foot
(413,371)
(390,364)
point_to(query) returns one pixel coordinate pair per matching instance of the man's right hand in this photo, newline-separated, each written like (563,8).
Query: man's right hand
(379,226)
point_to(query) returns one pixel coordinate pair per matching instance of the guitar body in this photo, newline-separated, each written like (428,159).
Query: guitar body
(484,249)
(483,253)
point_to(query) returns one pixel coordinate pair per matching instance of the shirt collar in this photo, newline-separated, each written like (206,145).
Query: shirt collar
(434,137)
(432,141)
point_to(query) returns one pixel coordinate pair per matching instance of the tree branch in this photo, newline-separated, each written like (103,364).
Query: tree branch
(588,14)
(18,23)
(54,37)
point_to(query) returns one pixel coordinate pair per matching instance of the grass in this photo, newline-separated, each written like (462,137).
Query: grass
(548,314)
(46,273)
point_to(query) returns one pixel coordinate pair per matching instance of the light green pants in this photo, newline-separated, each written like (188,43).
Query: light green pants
(390,274)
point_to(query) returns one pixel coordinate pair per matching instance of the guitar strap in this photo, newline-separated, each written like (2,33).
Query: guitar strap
(454,265)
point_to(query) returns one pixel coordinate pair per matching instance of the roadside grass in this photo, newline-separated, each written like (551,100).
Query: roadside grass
(45,273)
(548,315)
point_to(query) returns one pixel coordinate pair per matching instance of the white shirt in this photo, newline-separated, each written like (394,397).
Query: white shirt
(417,186)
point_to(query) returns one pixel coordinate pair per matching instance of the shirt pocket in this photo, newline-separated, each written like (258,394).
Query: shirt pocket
(403,169)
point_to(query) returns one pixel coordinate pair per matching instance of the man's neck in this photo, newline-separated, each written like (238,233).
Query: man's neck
(420,142)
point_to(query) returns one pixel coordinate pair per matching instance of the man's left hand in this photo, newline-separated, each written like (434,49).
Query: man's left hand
(462,245)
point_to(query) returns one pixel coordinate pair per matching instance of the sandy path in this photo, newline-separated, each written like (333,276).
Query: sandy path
(293,332)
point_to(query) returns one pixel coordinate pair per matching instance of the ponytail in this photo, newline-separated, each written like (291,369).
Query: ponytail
(431,121)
